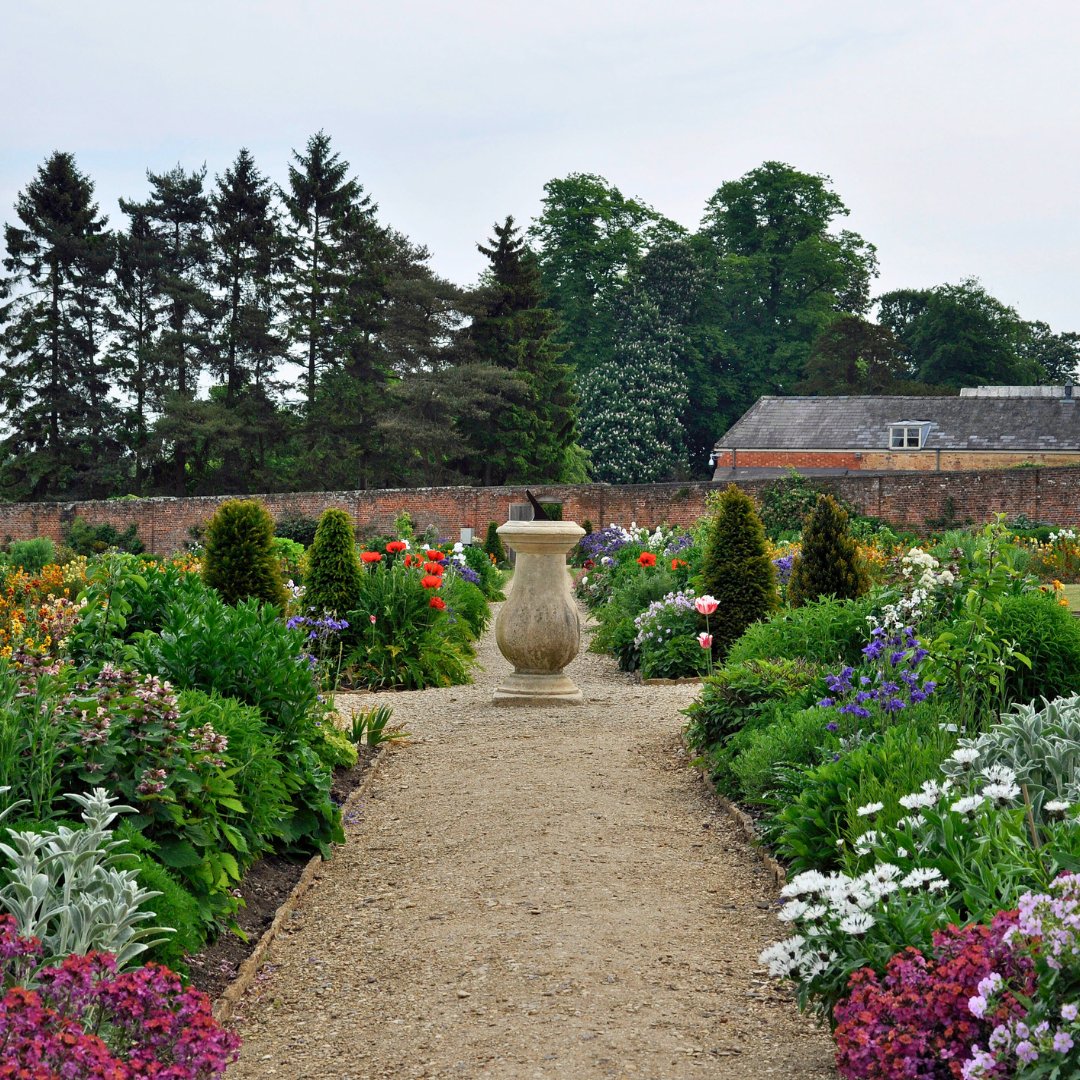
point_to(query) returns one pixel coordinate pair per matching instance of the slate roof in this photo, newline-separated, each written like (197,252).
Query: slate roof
(862,423)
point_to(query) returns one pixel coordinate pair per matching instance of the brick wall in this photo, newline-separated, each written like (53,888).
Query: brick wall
(905,498)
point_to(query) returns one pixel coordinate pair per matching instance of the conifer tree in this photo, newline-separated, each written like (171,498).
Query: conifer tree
(736,568)
(493,544)
(512,330)
(239,561)
(332,580)
(62,424)
(828,562)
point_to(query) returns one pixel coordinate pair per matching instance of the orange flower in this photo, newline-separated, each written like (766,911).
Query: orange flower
(371,556)
(431,553)
(647,558)
(413,560)
(433,567)
(395,546)
(437,602)
(676,563)
(432,581)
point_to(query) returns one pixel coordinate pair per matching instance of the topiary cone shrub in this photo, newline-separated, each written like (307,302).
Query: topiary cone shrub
(240,562)
(736,568)
(828,564)
(333,580)
(493,544)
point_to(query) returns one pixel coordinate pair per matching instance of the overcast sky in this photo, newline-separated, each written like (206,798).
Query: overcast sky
(948,128)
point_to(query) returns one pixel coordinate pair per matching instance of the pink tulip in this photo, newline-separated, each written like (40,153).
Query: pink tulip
(704,640)
(372,618)
(706,604)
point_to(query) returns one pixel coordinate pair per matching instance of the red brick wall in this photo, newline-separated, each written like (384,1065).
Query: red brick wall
(906,498)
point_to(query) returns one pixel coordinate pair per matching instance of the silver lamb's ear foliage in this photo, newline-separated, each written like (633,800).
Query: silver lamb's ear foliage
(1041,745)
(66,888)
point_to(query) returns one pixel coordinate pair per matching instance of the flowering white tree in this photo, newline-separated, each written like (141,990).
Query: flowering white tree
(631,402)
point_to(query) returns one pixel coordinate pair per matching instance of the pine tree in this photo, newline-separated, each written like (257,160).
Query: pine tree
(512,330)
(240,561)
(332,580)
(736,568)
(631,403)
(828,562)
(53,385)
(493,544)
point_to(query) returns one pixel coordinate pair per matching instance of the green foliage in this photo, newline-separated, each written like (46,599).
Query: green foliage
(491,579)
(553,510)
(792,739)
(466,601)
(828,563)
(86,539)
(824,631)
(493,544)
(31,555)
(239,560)
(817,809)
(675,657)
(372,727)
(785,504)
(403,526)
(631,595)
(332,580)
(290,557)
(1049,636)
(737,693)
(297,527)
(736,569)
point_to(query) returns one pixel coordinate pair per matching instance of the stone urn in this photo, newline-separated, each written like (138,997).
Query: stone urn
(538,629)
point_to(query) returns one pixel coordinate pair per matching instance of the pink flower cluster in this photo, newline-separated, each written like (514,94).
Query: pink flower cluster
(151,1027)
(914,1021)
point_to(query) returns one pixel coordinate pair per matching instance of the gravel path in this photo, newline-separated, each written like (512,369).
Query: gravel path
(532,893)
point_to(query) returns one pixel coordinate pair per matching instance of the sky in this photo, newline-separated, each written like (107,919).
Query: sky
(948,128)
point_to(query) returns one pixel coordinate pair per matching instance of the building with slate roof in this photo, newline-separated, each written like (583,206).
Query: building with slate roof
(987,427)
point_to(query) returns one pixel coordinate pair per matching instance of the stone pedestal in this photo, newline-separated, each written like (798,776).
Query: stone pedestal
(538,629)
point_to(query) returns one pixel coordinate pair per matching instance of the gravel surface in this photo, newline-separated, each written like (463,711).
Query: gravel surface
(532,893)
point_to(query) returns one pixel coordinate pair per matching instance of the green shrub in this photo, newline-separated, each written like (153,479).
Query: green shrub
(239,561)
(792,739)
(785,504)
(86,539)
(737,693)
(290,557)
(736,568)
(466,601)
(553,510)
(31,555)
(819,809)
(493,544)
(821,632)
(296,527)
(633,592)
(332,579)
(828,563)
(1049,636)
(491,579)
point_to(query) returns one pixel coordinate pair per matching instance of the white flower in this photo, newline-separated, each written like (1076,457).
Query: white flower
(921,875)
(865,842)
(903,853)
(999,774)
(783,957)
(936,790)
(965,755)
(999,794)
(917,801)
(870,808)
(967,805)
(938,884)
(1056,807)
(912,821)
(857,923)
(792,910)
(948,727)
(809,881)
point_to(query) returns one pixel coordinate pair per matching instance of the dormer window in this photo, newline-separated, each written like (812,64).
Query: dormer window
(907,436)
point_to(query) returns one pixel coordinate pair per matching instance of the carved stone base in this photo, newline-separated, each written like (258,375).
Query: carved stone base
(521,689)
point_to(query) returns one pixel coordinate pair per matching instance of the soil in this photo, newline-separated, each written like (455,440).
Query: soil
(532,893)
(265,887)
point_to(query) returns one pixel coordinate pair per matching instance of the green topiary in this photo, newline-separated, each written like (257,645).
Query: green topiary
(736,568)
(828,564)
(240,562)
(332,581)
(493,544)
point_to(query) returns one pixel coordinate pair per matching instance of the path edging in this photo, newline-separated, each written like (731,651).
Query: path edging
(231,995)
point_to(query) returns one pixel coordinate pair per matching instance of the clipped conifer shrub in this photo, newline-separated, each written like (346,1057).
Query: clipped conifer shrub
(332,582)
(240,562)
(736,568)
(493,544)
(828,564)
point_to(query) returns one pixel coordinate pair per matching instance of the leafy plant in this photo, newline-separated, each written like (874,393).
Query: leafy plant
(32,555)
(372,727)
(239,561)
(86,539)
(66,889)
(785,503)
(493,545)
(297,527)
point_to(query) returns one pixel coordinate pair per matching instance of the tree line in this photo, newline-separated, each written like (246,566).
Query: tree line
(235,336)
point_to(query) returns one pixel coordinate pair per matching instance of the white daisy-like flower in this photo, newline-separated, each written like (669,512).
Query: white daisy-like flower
(903,852)
(792,910)
(784,957)
(938,884)
(936,790)
(917,801)
(921,875)
(1056,807)
(870,808)
(999,774)
(999,794)
(808,882)
(965,755)
(858,923)
(967,805)
(865,843)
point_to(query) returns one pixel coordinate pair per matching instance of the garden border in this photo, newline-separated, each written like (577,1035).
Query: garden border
(231,995)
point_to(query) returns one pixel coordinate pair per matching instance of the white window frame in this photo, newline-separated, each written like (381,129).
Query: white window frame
(901,436)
